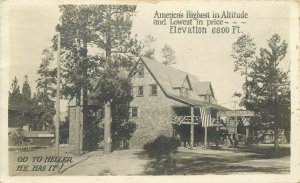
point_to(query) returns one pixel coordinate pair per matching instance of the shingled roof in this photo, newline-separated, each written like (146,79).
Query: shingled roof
(170,78)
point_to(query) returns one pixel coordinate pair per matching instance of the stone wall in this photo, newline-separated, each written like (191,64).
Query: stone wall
(154,112)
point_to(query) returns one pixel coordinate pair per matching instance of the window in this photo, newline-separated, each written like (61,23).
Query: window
(207,98)
(185,92)
(141,70)
(140,91)
(134,112)
(153,89)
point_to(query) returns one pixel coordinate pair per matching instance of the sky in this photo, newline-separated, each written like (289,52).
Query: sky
(207,56)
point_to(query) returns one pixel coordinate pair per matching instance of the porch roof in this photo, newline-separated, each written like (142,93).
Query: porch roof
(197,103)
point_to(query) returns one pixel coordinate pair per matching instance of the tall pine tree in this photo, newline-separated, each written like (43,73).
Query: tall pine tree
(26,90)
(14,107)
(268,92)
(14,88)
(243,53)
(107,28)
(113,26)
(46,82)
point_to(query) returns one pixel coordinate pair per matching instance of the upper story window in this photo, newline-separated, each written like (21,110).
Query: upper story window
(207,98)
(140,91)
(140,70)
(153,89)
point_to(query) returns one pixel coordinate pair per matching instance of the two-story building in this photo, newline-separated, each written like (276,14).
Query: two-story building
(167,101)
(163,100)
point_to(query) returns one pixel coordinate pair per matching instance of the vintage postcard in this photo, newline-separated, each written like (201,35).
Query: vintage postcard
(168,91)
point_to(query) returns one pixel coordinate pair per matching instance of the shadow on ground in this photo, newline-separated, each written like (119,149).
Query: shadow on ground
(264,152)
(222,162)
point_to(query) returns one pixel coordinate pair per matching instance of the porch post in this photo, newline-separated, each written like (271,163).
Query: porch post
(205,131)
(192,129)
(236,131)
(205,135)
(217,120)
(247,132)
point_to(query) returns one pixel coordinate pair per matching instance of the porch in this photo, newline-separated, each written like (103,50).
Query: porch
(194,125)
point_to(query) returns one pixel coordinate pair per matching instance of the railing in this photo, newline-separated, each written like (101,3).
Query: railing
(186,120)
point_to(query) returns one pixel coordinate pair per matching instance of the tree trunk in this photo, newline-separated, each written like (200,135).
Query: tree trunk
(107,128)
(107,105)
(276,141)
(86,122)
(77,126)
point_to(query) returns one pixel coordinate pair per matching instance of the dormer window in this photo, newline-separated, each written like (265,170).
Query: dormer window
(208,98)
(185,92)
(184,88)
(141,70)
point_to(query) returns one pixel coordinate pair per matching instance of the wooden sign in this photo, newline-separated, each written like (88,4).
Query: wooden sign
(235,113)
(45,135)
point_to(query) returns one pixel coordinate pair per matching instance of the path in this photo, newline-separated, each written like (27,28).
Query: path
(188,162)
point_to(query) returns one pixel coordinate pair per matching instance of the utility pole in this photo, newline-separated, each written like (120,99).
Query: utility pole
(57,100)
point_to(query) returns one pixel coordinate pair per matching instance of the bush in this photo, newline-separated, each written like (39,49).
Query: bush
(161,150)
(161,147)
(18,137)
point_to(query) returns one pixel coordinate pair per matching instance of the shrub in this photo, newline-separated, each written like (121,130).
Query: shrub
(161,150)
(18,137)
(161,147)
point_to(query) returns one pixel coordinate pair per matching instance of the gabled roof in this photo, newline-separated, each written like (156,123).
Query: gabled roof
(204,88)
(170,78)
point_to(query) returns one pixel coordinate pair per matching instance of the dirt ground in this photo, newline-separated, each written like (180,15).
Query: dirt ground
(136,162)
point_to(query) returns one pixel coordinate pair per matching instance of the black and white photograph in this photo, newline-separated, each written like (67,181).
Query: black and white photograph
(150,89)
